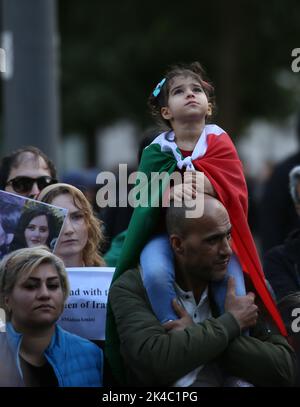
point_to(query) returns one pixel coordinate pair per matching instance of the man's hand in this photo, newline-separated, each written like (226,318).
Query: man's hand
(242,308)
(179,324)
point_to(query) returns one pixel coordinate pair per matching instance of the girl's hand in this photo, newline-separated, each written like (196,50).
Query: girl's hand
(192,184)
(195,182)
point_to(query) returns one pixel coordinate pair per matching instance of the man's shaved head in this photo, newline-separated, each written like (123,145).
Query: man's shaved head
(178,223)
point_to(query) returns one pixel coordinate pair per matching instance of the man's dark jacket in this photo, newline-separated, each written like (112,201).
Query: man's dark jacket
(282,266)
(154,357)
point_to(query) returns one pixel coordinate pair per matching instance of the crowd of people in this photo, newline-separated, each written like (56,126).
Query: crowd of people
(190,304)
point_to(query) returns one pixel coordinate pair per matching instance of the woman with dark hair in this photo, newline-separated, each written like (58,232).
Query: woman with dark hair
(36,227)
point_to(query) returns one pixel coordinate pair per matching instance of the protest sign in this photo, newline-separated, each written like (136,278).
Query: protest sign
(25,222)
(85,309)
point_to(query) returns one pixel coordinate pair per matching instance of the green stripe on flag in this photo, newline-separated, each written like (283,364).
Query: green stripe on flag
(141,227)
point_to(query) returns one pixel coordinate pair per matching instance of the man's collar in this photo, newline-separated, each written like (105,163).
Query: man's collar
(184,295)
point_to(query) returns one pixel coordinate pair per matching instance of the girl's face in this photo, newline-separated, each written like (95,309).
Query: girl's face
(37,231)
(74,236)
(187,101)
(37,299)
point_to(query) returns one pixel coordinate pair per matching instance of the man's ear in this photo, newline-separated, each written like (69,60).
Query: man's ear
(165,112)
(176,244)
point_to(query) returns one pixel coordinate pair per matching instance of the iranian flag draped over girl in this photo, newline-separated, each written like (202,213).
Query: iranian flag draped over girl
(183,99)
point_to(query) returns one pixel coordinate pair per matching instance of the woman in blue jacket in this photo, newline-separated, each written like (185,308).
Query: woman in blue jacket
(33,290)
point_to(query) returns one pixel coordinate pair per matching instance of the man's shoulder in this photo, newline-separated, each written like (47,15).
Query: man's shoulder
(285,254)
(275,252)
(130,279)
(127,287)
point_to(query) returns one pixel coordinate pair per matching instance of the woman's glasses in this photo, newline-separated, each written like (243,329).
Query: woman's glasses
(22,185)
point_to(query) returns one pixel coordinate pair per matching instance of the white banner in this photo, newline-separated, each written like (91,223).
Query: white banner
(85,309)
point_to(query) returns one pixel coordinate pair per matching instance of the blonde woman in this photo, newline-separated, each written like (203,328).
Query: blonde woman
(33,291)
(81,236)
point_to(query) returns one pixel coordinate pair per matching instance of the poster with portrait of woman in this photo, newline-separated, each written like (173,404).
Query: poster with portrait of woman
(25,222)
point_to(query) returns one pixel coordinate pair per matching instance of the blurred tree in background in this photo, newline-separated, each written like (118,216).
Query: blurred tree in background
(114,52)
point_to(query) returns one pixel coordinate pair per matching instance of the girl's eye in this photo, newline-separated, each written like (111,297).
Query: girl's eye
(43,230)
(31,227)
(198,89)
(177,91)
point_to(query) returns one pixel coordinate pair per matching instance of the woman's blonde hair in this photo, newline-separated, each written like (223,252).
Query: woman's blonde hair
(91,252)
(25,261)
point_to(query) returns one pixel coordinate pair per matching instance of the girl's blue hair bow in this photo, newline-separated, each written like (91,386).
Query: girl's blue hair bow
(157,90)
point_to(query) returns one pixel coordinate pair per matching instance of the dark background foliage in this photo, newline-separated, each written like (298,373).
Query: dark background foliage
(114,52)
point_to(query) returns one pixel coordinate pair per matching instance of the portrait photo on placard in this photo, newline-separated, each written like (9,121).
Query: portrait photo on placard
(25,223)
